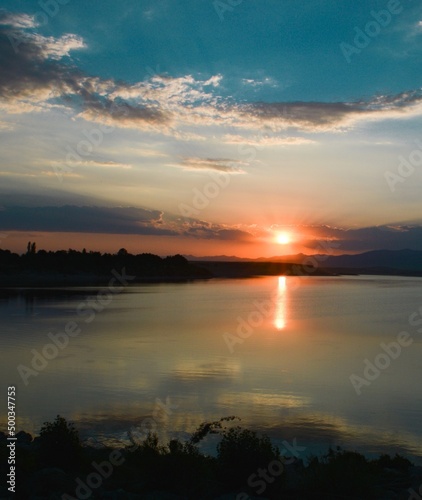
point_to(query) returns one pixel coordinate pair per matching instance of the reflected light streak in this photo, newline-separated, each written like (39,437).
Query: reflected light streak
(280,308)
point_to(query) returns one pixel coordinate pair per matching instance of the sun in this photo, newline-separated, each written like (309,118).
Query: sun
(283,238)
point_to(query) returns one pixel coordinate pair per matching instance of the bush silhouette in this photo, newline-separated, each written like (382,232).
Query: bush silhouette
(59,444)
(342,473)
(241,453)
(177,467)
(398,462)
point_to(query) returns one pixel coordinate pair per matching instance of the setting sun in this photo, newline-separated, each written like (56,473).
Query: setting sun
(283,238)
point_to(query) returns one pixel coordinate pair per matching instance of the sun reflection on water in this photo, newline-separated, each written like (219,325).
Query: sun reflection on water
(280,308)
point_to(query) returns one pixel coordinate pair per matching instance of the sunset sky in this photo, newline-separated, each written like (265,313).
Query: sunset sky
(248,128)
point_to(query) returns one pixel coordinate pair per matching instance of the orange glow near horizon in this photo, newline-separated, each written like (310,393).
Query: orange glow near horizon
(264,244)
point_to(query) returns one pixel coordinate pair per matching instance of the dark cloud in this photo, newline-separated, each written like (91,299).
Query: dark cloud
(370,238)
(315,116)
(37,69)
(205,230)
(305,113)
(122,112)
(27,70)
(111,220)
(84,219)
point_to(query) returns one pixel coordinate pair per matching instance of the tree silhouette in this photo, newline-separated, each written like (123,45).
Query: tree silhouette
(59,443)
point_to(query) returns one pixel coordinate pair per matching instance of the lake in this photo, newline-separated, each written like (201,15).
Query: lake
(278,352)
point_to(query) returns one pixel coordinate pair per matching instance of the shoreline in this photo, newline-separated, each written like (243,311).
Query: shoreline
(218,271)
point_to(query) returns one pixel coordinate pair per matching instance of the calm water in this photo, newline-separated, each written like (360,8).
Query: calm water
(289,375)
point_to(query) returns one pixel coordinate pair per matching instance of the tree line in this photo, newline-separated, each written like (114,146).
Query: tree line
(74,262)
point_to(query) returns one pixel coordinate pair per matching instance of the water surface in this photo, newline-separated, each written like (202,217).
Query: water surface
(276,351)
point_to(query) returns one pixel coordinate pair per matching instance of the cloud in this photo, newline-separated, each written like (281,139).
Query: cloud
(89,163)
(168,92)
(83,219)
(260,83)
(32,174)
(266,140)
(16,20)
(180,101)
(57,48)
(38,71)
(220,165)
(32,75)
(5,126)
(113,220)
(397,237)
(205,230)
(141,221)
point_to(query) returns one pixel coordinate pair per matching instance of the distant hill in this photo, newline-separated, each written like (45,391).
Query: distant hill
(218,258)
(405,260)
(376,261)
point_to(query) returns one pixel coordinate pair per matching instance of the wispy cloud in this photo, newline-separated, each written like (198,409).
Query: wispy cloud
(266,140)
(92,163)
(267,81)
(221,165)
(17,20)
(57,48)
(6,126)
(205,230)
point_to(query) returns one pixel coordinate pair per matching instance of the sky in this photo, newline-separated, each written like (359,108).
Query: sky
(201,127)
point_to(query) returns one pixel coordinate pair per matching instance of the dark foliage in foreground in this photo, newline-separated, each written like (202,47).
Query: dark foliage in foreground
(59,444)
(55,465)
